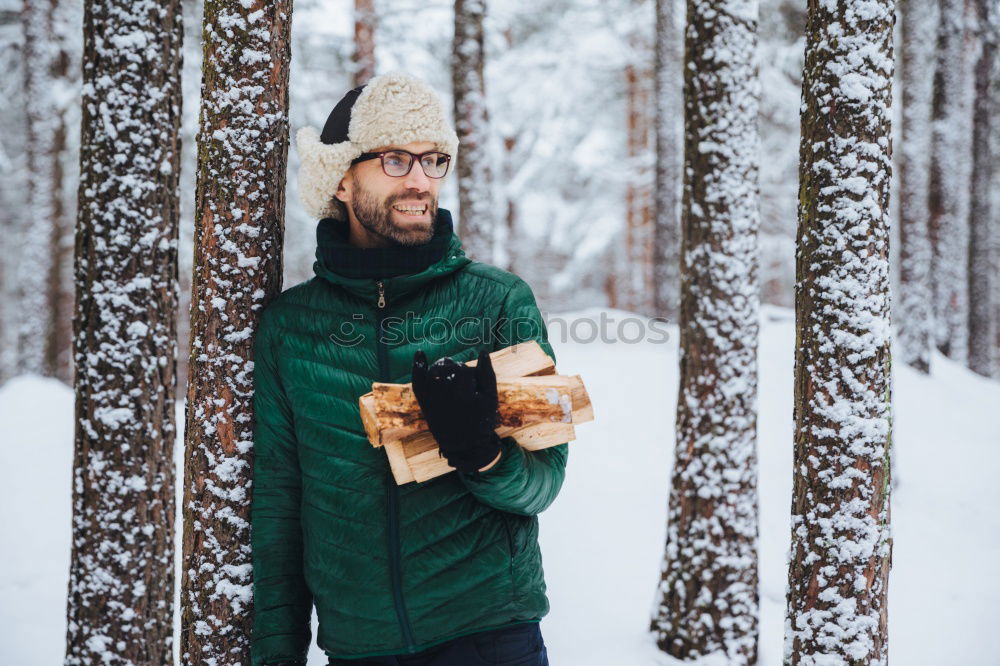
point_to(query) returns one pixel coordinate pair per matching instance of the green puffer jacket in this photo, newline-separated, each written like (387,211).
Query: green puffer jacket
(391,569)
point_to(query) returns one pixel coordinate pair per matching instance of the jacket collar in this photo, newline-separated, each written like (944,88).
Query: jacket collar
(400,269)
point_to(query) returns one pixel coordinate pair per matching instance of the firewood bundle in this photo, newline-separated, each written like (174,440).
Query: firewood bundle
(537,407)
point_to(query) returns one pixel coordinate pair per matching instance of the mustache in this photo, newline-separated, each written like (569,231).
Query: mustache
(410,197)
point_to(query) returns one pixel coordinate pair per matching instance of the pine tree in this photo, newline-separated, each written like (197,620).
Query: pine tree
(239,208)
(949,188)
(12,174)
(982,281)
(666,223)
(121,569)
(634,263)
(474,164)
(36,264)
(838,573)
(915,320)
(707,599)
(66,38)
(364,41)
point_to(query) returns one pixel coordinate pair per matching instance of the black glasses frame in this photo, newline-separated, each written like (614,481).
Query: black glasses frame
(413,158)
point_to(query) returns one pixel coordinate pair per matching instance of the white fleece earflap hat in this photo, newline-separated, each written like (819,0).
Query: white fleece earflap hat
(391,109)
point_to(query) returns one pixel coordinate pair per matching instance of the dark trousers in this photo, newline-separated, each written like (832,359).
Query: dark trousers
(520,645)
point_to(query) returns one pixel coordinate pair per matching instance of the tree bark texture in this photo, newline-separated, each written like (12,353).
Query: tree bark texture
(949,189)
(707,599)
(120,601)
(239,208)
(35,262)
(983,282)
(840,555)
(666,210)
(916,316)
(474,164)
(364,41)
(637,268)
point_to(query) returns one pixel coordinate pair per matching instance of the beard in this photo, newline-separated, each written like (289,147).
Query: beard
(376,216)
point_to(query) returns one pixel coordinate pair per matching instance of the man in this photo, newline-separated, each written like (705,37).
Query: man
(447,572)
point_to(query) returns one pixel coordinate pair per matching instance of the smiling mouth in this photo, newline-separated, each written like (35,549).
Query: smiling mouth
(412,211)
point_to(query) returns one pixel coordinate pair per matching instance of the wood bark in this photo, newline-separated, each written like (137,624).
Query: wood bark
(666,209)
(637,268)
(538,409)
(707,599)
(239,208)
(949,188)
(120,598)
(983,282)
(364,41)
(916,314)
(36,265)
(840,554)
(523,401)
(474,164)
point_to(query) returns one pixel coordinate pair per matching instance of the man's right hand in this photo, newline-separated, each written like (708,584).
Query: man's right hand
(459,404)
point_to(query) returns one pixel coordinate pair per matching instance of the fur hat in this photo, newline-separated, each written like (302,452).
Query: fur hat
(393,108)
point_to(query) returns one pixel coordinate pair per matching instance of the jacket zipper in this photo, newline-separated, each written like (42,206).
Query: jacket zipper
(392,491)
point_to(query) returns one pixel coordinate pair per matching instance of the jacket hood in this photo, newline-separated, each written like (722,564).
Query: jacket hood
(401,269)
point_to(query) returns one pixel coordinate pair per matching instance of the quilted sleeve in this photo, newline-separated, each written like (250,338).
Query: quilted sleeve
(521,482)
(282,601)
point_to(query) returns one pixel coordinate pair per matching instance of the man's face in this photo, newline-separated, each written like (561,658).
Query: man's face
(383,205)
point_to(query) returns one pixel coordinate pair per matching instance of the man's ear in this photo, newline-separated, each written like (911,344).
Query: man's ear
(344,188)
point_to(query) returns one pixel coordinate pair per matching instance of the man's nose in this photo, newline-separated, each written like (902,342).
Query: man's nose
(417,179)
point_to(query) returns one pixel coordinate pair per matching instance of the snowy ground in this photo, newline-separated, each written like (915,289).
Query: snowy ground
(603,537)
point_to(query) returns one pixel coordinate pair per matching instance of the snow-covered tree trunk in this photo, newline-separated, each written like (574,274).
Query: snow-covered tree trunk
(11,175)
(982,281)
(995,212)
(950,188)
(120,602)
(239,209)
(915,319)
(838,573)
(36,265)
(667,113)
(364,41)
(511,252)
(474,164)
(707,600)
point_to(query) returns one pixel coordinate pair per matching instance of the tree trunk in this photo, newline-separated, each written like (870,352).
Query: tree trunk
(474,163)
(919,19)
(120,604)
(12,200)
(707,599)
(638,194)
(840,556)
(35,262)
(364,41)
(981,277)
(239,208)
(510,204)
(949,188)
(995,213)
(666,219)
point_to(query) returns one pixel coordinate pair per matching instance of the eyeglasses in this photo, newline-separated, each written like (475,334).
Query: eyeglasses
(397,163)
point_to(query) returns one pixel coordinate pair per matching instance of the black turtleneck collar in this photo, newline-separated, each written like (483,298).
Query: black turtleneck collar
(337,255)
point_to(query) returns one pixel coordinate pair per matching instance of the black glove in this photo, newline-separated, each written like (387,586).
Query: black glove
(459,404)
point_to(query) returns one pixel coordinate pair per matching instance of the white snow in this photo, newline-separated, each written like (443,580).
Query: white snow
(603,537)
